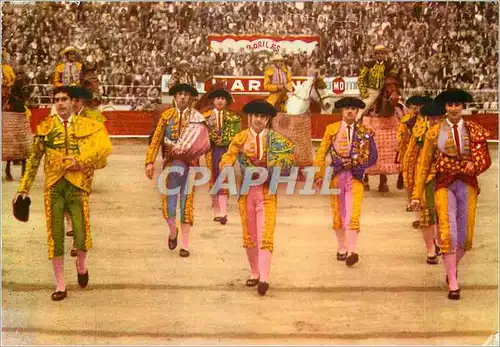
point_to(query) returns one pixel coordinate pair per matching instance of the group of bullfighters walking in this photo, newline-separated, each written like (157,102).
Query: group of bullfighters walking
(443,155)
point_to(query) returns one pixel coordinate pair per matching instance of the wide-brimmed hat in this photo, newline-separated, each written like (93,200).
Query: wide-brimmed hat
(350,101)
(380,48)
(418,100)
(70,49)
(183,87)
(453,95)
(260,107)
(277,57)
(221,93)
(21,208)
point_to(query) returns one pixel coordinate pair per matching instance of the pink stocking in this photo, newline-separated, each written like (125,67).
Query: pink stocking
(352,241)
(185,235)
(215,206)
(340,234)
(171,226)
(58,265)
(264,264)
(222,199)
(460,255)
(428,233)
(82,262)
(253,260)
(450,263)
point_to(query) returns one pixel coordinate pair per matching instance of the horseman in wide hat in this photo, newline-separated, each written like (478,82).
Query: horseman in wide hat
(69,71)
(278,81)
(373,74)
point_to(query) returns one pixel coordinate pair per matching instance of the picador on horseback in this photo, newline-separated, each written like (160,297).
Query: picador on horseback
(380,90)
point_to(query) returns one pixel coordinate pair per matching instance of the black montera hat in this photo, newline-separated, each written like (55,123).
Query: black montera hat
(21,208)
(453,95)
(418,100)
(431,110)
(183,87)
(260,107)
(221,93)
(350,101)
(77,92)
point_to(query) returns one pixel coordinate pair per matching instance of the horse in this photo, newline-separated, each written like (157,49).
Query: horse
(383,118)
(16,131)
(295,124)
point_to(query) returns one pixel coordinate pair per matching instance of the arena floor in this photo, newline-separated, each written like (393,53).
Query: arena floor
(142,293)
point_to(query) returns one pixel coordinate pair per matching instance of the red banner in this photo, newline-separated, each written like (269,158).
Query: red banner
(263,43)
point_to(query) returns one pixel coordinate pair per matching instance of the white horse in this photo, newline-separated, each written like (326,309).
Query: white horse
(296,123)
(299,101)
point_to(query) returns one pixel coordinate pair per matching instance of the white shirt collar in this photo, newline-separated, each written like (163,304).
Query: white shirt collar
(346,125)
(460,122)
(81,110)
(62,120)
(255,134)
(183,112)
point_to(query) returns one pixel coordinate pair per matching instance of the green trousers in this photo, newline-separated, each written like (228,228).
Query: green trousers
(62,197)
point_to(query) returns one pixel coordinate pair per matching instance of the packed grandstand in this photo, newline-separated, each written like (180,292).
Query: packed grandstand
(434,44)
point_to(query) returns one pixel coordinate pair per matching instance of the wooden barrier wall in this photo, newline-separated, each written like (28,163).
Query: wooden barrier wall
(139,123)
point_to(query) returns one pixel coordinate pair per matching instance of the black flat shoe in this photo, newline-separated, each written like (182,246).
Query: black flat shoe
(58,296)
(341,256)
(415,224)
(252,282)
(262,288)
(352,259)
(184,253)
(172,243)
(454,294)
(223,220)
(216,219)
(69,233)
(83,280)
(432,260)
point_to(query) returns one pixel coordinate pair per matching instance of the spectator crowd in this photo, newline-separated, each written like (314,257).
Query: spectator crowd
(434,44)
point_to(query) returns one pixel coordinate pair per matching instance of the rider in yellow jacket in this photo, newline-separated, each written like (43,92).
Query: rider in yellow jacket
(278,81)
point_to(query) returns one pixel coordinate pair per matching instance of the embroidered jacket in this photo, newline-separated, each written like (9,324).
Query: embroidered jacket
(169,128)
(67,74)
(268,149)
(362,150)
(439,146)
(412,153)
(223,126)
(373,74)
(84,138)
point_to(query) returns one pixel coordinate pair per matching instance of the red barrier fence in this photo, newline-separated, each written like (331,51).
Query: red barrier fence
(139,123)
